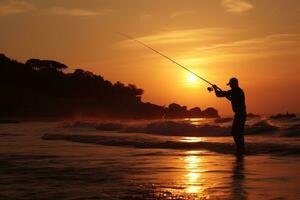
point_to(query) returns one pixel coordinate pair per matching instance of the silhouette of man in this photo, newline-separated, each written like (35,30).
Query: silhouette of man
(237,98)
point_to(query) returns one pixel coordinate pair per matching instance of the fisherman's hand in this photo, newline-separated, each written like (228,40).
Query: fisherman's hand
(210,89)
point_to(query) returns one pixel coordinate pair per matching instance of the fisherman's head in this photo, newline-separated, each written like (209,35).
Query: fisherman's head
(233,83)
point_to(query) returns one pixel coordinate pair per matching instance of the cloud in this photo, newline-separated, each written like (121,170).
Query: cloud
(218,44)
(184,36)
(237,6)
(11,7)
(77,12)
(270,45)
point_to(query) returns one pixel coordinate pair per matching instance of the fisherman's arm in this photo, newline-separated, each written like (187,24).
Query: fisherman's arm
(221,93)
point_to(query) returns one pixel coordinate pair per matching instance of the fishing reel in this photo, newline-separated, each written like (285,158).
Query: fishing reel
(210,89)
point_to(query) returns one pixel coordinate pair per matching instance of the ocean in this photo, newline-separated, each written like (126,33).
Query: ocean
(149,159)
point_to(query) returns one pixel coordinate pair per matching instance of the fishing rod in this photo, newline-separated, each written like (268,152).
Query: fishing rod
(178,64)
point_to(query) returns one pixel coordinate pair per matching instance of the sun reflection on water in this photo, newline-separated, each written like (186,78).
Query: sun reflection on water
(192,165)
(196,121)
(192,139)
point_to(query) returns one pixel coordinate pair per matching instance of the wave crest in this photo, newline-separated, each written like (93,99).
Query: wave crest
(172,128)
(218,147)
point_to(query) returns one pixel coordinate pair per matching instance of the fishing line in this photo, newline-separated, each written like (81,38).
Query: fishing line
(145,45)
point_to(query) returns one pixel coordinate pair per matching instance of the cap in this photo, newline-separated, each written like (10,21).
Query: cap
(233,81)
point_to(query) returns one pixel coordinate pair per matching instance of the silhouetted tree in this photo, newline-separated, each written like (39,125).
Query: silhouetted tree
(37,64)
(41,88)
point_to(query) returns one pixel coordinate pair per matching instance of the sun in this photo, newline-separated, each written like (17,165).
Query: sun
(192,78)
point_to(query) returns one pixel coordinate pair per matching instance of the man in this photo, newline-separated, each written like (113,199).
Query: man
(237,98)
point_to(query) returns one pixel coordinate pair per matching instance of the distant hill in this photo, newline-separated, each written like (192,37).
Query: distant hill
(41,88)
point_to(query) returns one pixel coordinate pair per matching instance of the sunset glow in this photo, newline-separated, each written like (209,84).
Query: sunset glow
(150,99)
(216,39)
(192,79)
(193,174)
(192,139)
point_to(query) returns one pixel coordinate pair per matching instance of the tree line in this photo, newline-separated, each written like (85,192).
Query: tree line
(42,88)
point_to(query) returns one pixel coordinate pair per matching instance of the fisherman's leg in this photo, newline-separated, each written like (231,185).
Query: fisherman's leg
(240,143)
(242,128)
(237,133)
(234,129)
(235,139)
(238,139)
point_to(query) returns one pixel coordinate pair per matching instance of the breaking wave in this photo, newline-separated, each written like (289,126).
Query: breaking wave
(218,147)
(173,128)
(282,136)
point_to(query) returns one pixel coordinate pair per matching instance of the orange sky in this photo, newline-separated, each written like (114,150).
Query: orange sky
(257,41)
